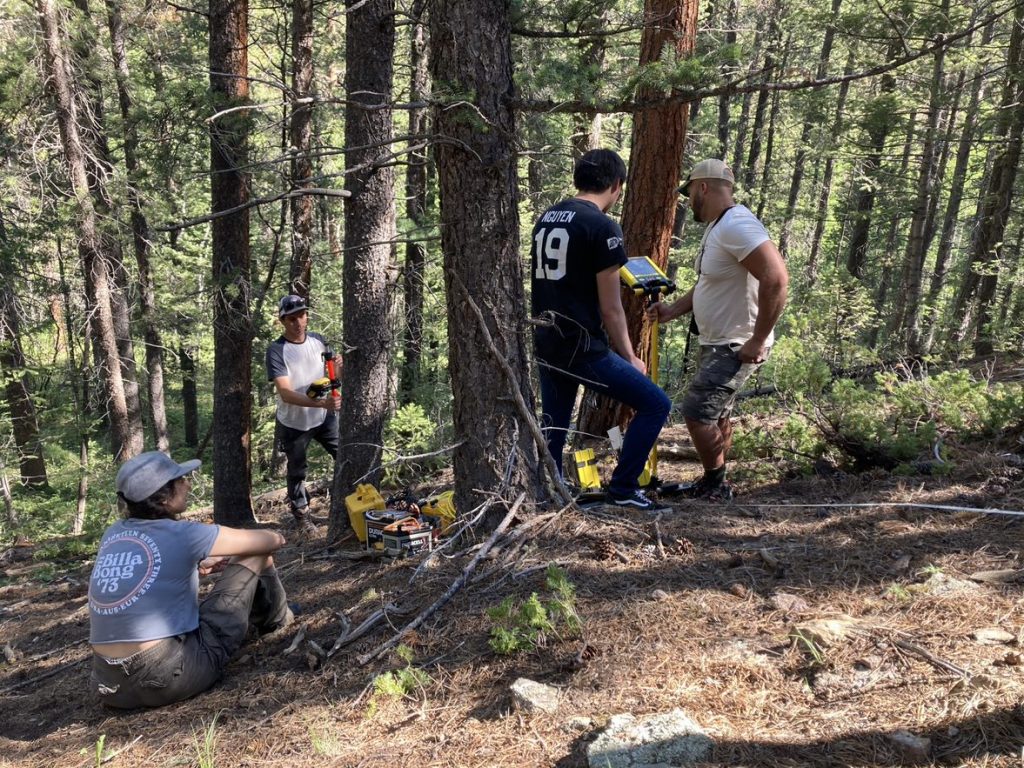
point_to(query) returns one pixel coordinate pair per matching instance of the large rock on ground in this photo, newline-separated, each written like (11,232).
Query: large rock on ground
(531,696)
(654,741)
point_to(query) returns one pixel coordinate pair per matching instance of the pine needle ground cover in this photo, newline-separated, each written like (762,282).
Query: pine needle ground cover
(795,635)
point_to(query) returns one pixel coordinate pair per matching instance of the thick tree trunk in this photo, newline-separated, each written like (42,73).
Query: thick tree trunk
(369,268)
(471,52)
(232,323)
(126,441)
(141,235)
(415,210)
(649,207)
(300,276)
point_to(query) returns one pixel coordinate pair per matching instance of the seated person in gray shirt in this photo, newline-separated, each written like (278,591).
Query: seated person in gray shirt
(153,642)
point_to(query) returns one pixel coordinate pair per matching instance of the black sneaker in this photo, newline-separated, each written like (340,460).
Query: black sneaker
(708,492)
(637,500)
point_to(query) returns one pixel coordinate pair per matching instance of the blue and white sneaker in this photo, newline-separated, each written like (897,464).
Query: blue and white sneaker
(636,499)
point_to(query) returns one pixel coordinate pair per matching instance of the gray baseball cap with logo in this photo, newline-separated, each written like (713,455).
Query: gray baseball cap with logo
(143,475)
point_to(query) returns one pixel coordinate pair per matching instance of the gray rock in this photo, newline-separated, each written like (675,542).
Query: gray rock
(664,740)
(914,748)
(531,696)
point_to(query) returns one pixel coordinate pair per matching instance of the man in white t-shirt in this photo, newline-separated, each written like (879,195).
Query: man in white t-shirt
(740,292)
(294,361)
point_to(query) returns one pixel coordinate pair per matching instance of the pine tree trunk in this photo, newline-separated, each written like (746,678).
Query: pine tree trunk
(99,168)
(887,265)
(994,206)
(232,323)
(141,234)
(369,266)
(956,194)
(20,408)
(125,440)
(825,191)
(769,147)
(727,67)
(302,144)
(649,207)
(415,209)
(471,52)
(906,318)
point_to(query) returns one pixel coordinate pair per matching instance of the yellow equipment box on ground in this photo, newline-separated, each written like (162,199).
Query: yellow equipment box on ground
(358,504)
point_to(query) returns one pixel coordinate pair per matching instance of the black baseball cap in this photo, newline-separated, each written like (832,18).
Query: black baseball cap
(290,304)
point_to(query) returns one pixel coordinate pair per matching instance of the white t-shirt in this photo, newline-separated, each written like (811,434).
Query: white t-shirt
(302,364)
(725,297)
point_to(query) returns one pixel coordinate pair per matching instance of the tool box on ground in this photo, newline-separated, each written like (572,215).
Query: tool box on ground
(398,533)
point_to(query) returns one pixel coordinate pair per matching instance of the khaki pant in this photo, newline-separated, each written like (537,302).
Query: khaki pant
(181,666)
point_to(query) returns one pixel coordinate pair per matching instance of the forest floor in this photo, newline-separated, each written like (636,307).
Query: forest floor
(794,634)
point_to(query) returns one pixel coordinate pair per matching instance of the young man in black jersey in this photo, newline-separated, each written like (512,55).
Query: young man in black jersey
(575,258)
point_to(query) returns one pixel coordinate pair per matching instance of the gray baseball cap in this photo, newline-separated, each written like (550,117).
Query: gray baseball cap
(712,168)
(143,475)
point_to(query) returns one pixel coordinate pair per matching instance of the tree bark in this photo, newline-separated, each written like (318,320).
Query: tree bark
(232,323)
(956,194)
(994,205)
(415,209)
(22,410)
(126,441)
(300,277)
(825,190)
(649,207)
(141,235)
(471,53)
(906,319)
(369,266)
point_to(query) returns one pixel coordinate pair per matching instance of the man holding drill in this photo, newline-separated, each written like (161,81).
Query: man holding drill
(295,363)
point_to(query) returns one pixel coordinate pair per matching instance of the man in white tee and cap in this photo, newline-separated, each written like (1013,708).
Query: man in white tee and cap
(295,360)
(739,295)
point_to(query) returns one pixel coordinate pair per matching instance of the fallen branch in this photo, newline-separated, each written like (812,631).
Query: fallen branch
(38,678)
(349,635)
(455,587)
(657,539)
(299,636)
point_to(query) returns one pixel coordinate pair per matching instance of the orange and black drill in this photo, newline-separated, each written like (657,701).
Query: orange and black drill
(330,384)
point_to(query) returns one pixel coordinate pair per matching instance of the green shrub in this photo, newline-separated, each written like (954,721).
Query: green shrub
(525,626)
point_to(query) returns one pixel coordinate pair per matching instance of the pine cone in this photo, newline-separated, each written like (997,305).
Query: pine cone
(604,550)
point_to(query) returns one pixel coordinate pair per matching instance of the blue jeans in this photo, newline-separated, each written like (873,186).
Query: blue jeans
(608,375)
